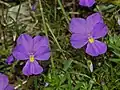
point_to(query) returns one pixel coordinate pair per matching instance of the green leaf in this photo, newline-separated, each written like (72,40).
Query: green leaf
(67,64)
(114,60)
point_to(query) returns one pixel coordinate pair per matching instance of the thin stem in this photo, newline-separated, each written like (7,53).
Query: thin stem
(18,12)
(56,40)
(43,18)
(6,4)
(62,8)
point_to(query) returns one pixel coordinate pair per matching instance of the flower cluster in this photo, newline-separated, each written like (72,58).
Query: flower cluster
(85,32)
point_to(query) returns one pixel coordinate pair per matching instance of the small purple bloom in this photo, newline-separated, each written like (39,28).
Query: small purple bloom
(33,7)
(10,59)
(32,49)
(4,83)
(87,3)
(87,31)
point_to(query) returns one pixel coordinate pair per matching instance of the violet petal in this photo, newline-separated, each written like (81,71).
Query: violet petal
(96,48)
(100,30)
(39,41)
(32,68)
(78,40)
(78,25)
(10,59)
(88,3)
(3,81)
(26,41)
(43,53)
(93,19)
(9,87)
(20,53)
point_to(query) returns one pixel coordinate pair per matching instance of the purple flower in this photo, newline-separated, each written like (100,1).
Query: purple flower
(10,59)
(33,7)
(4,83)
(32,49)
(87,31)
(87,3)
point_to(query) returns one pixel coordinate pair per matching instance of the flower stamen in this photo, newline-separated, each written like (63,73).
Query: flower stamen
(32,58)
(91,40)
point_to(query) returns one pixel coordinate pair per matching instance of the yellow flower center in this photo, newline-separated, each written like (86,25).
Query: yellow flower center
(91,40)
(32,58)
